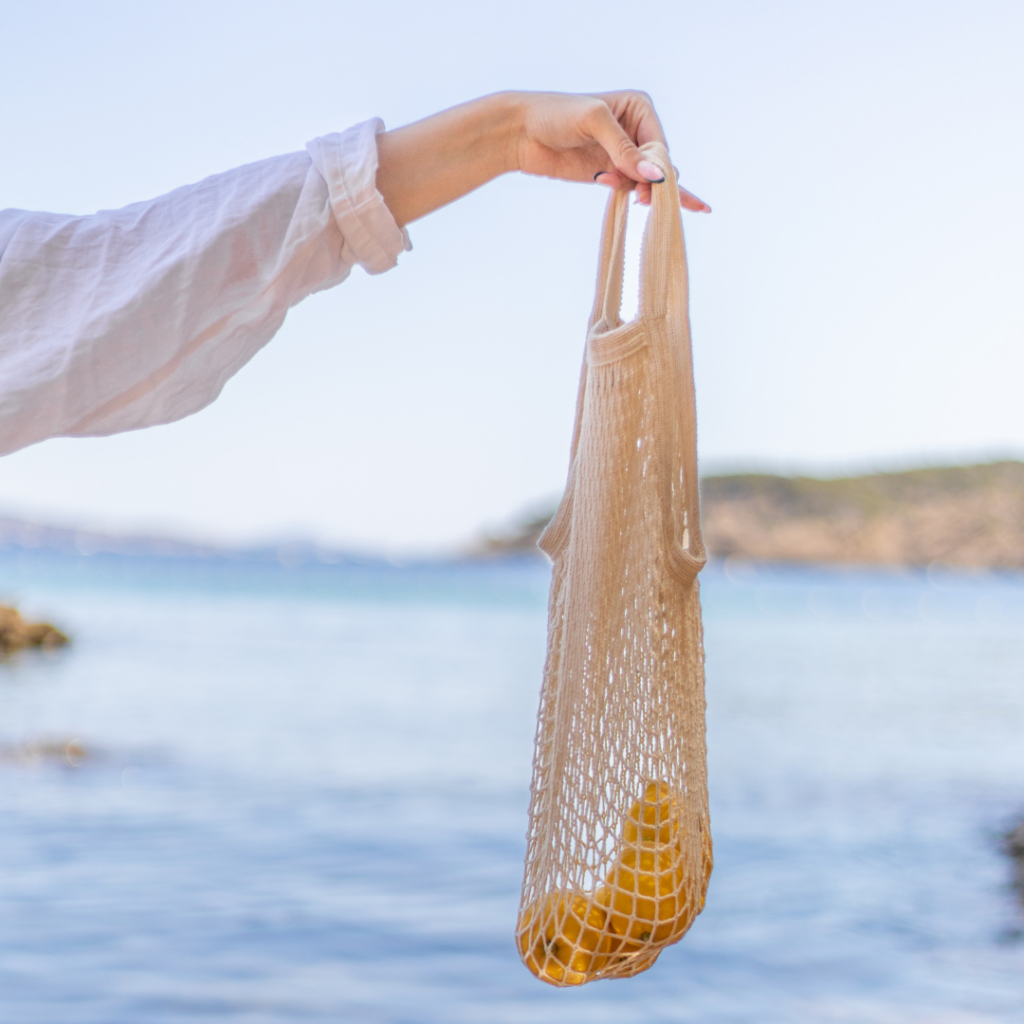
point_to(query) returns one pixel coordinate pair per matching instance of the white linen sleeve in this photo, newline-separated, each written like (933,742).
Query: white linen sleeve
(134,317)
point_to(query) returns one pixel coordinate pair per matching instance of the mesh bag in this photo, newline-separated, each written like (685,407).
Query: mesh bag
(619,846)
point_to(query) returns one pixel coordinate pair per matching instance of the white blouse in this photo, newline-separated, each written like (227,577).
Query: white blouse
(134,317)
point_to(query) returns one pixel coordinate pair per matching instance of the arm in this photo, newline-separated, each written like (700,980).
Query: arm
(435,161)
(135,317)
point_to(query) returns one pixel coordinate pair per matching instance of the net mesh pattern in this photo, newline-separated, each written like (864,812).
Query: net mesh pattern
(619,844)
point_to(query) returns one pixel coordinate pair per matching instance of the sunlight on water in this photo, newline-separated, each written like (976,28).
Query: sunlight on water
(303,797)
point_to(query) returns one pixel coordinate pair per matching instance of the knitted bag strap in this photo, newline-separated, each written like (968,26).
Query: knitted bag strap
(611,265)
(607,304)
(664,309)
(663,317)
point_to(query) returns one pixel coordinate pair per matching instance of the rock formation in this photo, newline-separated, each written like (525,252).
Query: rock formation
(16,633)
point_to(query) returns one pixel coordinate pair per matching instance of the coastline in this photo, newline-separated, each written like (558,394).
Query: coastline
(969,517)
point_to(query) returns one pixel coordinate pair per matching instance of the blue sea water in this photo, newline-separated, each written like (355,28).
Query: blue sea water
(305,799)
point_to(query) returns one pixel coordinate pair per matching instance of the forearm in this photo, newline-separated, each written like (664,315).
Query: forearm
(135,317)
(585,138)
(433,162)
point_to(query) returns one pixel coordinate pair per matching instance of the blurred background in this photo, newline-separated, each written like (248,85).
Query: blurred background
(854,292)
(281,771)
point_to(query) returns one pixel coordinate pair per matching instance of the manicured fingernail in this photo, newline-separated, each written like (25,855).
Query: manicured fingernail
(704,208)
(600,175)
(652,173)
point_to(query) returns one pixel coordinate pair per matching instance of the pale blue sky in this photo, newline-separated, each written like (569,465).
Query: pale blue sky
(856,293)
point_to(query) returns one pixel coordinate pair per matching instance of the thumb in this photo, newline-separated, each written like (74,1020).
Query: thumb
(621,149)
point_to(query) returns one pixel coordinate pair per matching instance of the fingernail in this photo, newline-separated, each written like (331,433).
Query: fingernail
(600,174)
(704,208)
(652,173)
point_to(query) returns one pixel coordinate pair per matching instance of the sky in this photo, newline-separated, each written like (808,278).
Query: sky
(855,296)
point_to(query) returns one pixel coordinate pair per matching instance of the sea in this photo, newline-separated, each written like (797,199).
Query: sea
(279,794)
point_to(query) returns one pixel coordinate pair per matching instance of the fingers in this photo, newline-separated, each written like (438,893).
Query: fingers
(687,199)
(595,138)
(620,148)
(611,178)
(631,166)
(634,109)
(690,202)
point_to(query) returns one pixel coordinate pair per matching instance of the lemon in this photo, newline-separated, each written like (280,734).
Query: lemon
(655,818)
(568,938)
(645,897)
(563,938)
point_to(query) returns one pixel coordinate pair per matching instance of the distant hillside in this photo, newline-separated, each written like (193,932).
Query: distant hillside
(960,515)
(23,535)
(520,538)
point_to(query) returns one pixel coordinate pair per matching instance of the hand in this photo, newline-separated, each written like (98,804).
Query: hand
(594,138)
(426,165)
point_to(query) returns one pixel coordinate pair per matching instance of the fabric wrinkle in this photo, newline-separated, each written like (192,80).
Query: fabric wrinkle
(348,164)
(139,316)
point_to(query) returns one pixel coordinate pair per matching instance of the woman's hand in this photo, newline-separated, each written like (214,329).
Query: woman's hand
(431,163)
(595,138)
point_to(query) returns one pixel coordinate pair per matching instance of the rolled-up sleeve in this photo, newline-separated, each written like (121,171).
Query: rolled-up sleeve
(134,317)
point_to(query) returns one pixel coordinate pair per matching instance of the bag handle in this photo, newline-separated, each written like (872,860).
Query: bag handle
(664,306)
(611,267)
(664,294)
(607,307)
(664,284)
(662,236)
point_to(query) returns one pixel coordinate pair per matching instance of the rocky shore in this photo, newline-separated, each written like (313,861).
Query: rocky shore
(17,634)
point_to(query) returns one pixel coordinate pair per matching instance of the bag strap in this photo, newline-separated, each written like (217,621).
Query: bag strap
(663,237)
(663,276)
(664,305)
(664,295)
(607,306)
(611,266)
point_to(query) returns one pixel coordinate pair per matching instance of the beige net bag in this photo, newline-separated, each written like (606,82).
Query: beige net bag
(619,847)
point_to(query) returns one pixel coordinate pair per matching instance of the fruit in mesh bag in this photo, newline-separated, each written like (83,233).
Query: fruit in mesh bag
(645,897)
(563,938)
(645,891)
(655,819)
(567,939)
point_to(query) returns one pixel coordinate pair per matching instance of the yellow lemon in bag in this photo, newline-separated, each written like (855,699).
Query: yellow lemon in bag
(655,818)
(645,902)
(563,938)
(645,897)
